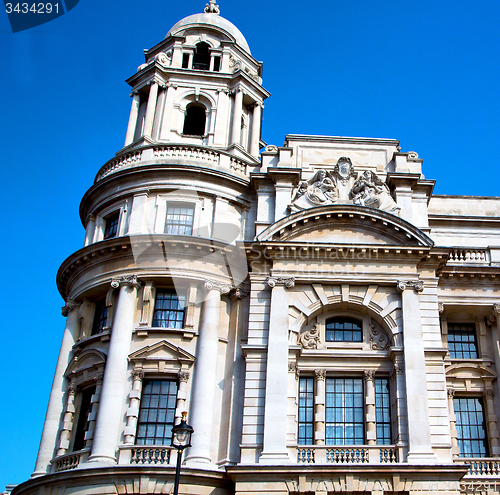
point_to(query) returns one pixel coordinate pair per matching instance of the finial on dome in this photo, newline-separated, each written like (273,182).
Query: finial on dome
(212,8)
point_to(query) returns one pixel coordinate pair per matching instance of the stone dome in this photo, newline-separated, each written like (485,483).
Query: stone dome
(213,21)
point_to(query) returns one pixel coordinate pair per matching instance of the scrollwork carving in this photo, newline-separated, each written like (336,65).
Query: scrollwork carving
(222,288)
(451,393)
(99,378)
(489,394)
(310,338)
(379,341)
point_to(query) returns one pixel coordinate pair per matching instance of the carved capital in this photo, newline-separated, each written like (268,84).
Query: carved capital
(72,388)
(184,376)
(70,304)
(238,293)
(222,288)
(396,370)
(369,375)
(99,378)
(451,393)
(320,374)
(130,280)
(287,282)
(489,394)
(496,308)
(292,366)
(418,285)
(440,306)
(138,374)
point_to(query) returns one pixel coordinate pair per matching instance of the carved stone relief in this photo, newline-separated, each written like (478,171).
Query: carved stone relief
(340,187)
(379,341)
(310,338)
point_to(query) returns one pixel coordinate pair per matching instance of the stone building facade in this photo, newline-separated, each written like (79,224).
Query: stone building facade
(328,323)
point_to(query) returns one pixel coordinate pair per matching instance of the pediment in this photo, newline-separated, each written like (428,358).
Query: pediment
(88,359)
(470,371)
(163,351)
(346,224)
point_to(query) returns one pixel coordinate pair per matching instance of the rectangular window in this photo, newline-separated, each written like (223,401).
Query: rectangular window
(344,411)
(462,341)
(306,411)
(179,219)
(471,427)
(100,317)
(169,309)
(383,411)
(216,64)
(111,229)
(157,412)
(82,424)
(185,61)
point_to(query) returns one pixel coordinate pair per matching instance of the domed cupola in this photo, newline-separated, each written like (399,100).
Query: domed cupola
(200,86)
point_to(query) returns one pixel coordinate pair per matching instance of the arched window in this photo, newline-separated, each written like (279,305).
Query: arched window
(201,58)
(343,329)
(194,123)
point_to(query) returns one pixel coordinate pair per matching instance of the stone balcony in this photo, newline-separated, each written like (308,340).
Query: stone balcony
(349,454)
(179,154)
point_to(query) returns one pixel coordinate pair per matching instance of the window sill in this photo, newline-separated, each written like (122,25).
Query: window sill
(104,336)
(145,331)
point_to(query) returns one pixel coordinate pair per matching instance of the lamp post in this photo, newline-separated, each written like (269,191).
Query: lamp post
(181,439)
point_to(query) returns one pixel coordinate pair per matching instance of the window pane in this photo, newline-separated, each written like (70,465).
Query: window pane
(100,317)
(344,411)
(382,411)
(471,427)
(158,407)
(179,219)
(462,340)
(343,329)
(111,229)
(164,316)
(306,411)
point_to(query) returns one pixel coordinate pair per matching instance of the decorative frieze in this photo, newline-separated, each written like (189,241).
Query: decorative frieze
(418,285)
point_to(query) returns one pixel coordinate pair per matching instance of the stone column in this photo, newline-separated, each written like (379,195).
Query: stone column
(133,410)
(371,427)
(494,321)
(67,425)
(132,121)
(150,112)
(180,406)
(89,434)
(168,110)
(275,413)
(205,375)
(59,384)
(89,231)
(319,408)
(255,134)
(419,431)
(398,408)
(453,422)
(237,112)
(107,432)
(221,123)
(491,420)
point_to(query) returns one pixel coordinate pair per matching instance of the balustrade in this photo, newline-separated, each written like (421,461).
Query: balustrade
(468,256)
(481,468)
(372,454)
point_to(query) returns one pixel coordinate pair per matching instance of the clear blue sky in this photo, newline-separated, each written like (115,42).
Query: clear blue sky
(424,72)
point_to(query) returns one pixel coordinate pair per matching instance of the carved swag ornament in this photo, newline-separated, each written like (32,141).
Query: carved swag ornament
(343,186)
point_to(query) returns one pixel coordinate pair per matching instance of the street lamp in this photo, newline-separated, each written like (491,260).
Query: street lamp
(181,439)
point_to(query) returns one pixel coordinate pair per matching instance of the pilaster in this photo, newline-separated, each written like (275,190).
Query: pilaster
(419,434)
(275,415)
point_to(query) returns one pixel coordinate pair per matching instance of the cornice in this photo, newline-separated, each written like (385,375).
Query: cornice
(341,139)
(126,248)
